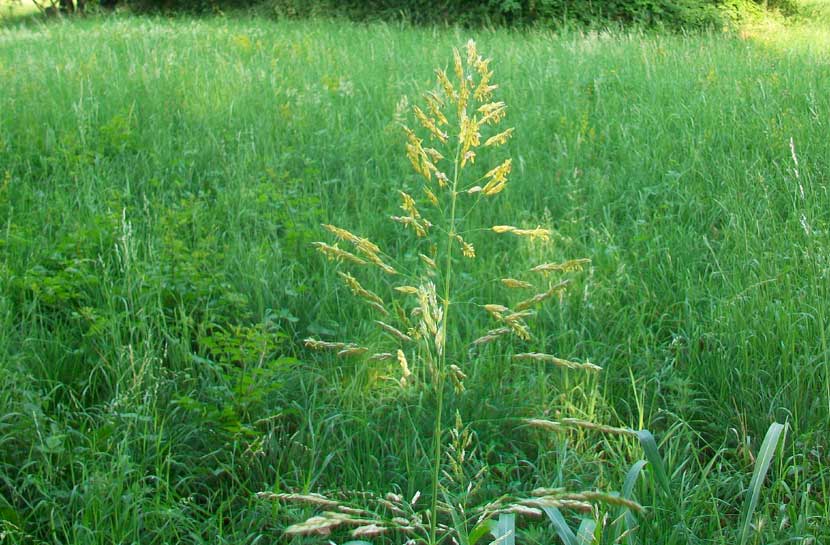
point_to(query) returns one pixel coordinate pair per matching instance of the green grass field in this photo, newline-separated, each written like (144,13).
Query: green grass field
(161,183)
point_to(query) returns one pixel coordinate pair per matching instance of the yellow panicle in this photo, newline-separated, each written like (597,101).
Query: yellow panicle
(433,154)
(457,376)
(497,178)
(581,424)
(421,226)
(499,139)
(408,205)
(492,112)
(492,335)
(408,290)
(428,261)
(429,124)
(559,362)
(468,136)
(417,155)
(361,243)
(382,356)
(496,309)
(436,105)
(353,351)
(472,54)
(539,297)
(467,249)
(458,66)
(445,84)
(538,232)
(343,349)
(333,252)
(404,368)
(567,266)
(367,296)
(513,283)
(398,334)
(431,196)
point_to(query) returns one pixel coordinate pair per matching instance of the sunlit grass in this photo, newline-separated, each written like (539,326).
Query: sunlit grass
(160,185)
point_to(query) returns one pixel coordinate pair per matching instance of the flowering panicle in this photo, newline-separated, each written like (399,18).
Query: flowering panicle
(567,266)
(456,126)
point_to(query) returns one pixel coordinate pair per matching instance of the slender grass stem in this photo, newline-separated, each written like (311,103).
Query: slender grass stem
(442,358)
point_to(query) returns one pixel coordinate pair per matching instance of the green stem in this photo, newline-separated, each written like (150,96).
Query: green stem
(440,374)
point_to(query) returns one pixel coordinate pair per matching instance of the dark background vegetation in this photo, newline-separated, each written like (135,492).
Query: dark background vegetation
(671,13)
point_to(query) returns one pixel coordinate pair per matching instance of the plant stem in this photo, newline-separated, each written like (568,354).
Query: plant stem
(440,374)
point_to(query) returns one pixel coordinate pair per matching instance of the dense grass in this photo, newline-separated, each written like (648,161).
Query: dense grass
(160,183)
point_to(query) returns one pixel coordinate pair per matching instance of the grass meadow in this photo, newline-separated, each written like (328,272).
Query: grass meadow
(162,182)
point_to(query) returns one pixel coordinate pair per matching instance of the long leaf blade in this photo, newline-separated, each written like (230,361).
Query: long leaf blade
(652,453)
(561,526)
(762,463)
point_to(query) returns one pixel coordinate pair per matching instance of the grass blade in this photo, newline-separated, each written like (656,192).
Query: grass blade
(653,456)
(631,478)
(561,526)
(505,529)
(762,464)
(585,534)
(628,520)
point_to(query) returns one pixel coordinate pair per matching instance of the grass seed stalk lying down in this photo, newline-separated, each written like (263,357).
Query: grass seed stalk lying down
(458,127)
